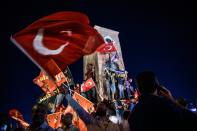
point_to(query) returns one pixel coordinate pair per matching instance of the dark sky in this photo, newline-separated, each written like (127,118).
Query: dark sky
(154,35)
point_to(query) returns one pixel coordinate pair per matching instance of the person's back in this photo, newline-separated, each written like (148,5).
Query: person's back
(158,113)
(39,122)
(124,126)
(67,124)
(70,128)
(101,122)
(154,113)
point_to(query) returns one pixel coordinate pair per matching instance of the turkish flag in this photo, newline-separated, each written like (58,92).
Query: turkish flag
(88,84)
(63,37)
(106,48)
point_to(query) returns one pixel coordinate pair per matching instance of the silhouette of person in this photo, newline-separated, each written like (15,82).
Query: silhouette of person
(156,109)
(67,124)
(39,122)
(90,73)
(109,72)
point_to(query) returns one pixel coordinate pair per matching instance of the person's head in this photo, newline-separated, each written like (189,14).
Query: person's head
(66,119)
(39,113)
(105,108)
(147,82)
(89,66)
(101,109)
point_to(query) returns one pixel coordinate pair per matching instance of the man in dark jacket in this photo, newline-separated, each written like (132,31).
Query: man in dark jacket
(156,110)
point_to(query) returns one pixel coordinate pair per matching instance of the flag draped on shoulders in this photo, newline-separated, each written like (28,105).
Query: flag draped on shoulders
(63,37)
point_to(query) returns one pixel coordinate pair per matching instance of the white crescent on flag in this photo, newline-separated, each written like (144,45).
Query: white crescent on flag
(109,47)
(67,31)
(89,83)
(41,49)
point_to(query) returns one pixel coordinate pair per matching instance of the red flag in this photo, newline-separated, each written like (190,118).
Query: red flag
(16,115)
(107,47)
(46,84)
(88,85)
(60,78)
(63,37)
(83,102)
(53,69)
(54,119)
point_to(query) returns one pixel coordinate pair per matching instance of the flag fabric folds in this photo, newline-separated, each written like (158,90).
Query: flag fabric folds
(46,84)
(87,105)
(106,48)
(57,75)
(16,115)
(63,37)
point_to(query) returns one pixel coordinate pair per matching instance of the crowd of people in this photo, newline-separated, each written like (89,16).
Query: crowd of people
(154,109)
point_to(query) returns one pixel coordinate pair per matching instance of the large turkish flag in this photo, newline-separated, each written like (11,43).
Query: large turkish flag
(63,37)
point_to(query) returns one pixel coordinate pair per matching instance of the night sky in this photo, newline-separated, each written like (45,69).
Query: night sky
(154,35)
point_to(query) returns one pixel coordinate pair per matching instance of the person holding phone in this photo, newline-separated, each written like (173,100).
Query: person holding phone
(156,109)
